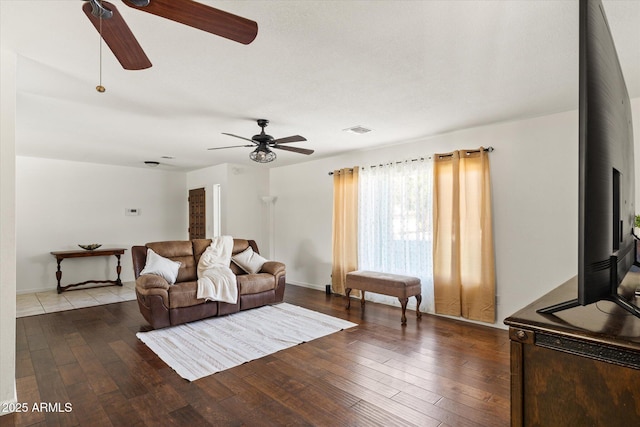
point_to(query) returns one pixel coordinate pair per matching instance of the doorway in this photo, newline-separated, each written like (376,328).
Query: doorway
(197,214)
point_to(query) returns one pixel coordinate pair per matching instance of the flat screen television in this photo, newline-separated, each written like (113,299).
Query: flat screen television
(606,243)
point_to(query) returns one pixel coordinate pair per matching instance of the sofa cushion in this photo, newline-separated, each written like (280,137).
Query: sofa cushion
(199,246)
(183,294)
(236,270)
(255,283)
(161,266)
(181,251)
(249,261)
(239,245)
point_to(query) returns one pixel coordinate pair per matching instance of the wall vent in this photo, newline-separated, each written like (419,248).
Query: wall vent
(357,129)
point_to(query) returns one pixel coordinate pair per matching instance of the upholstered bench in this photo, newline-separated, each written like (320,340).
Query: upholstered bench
(393,285)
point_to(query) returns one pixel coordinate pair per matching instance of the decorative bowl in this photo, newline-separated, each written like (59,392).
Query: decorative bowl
(91,246)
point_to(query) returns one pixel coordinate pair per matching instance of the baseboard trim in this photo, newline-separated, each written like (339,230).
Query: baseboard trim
(396,303)
(306,285)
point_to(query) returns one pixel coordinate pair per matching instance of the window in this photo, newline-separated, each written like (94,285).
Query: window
(395,224)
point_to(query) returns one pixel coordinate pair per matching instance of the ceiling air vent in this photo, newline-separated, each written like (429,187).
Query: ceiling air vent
(357,129)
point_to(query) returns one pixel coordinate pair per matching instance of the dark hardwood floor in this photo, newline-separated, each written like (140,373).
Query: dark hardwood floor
(433,372)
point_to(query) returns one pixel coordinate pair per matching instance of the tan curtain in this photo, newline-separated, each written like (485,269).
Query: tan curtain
(345,227)
(463,252)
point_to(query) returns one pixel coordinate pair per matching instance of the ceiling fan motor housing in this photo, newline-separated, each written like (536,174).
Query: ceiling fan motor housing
(262,138)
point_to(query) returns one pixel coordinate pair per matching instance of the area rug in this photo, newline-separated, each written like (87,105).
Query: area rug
(195,350)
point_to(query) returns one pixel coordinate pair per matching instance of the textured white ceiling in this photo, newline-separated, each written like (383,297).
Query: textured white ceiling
(406,69)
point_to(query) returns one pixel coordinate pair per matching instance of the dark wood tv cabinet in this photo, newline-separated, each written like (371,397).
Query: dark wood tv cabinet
(577,367)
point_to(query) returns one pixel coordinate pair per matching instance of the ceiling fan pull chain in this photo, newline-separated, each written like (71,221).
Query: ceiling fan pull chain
(100,88)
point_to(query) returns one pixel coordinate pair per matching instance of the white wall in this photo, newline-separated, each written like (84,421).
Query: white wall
(7,230)
(535,203)
(244,215)
(61,204)
(245,210)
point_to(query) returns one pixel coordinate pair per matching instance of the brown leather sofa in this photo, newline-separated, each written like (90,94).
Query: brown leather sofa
(164,305)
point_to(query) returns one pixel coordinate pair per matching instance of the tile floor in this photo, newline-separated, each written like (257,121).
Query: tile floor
(51,301)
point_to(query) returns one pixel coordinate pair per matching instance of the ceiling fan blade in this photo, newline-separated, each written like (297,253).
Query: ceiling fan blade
(202,17)
(241,137)
(116,33)
(288,139)
(293,149)
(231,146)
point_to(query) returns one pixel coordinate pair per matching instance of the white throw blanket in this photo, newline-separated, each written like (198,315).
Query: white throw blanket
(216,281)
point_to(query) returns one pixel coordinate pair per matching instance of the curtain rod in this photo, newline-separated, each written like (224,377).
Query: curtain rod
(488,150)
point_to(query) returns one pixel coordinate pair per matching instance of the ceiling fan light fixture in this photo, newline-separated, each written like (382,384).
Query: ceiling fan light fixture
(262,155)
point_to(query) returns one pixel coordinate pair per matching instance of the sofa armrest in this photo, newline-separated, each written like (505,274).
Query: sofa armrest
(273,267)
(149,281)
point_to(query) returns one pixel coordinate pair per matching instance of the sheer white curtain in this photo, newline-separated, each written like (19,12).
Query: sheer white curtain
(395,224)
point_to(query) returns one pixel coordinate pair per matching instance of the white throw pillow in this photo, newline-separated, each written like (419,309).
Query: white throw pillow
(161,266)
(249,261)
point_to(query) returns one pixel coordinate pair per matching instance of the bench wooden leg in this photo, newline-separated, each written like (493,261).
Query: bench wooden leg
(347,291)
(403,303)
(418,302)
(362,298)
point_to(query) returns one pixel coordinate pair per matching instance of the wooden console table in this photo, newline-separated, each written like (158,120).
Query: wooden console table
(578,367)
(60,255)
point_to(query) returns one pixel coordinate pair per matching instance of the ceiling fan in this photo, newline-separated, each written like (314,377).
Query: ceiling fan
(116,33)
(263,144)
